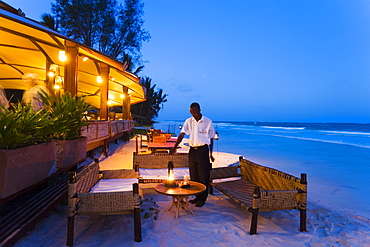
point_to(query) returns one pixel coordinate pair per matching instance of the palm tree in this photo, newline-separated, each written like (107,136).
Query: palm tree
(128,65)
(49,21)
(150,108)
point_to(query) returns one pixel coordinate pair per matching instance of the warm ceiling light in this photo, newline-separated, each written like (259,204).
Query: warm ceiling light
(62,56)
(99,79)
(85,58)
(110,102)
(57,86)
(122,96)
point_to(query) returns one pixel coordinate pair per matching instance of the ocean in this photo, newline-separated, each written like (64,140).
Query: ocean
(335,156)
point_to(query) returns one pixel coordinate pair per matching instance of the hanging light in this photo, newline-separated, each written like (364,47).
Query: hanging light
(52,70)
(51,73)
(99,79)
(110,102)
(122,96)
(58,82)
(62,56)
(216,136)
(57,86)
(85,58)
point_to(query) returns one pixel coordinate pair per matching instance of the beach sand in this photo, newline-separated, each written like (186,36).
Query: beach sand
(220,222)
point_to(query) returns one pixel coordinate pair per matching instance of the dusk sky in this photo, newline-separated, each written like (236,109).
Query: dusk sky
(256,60)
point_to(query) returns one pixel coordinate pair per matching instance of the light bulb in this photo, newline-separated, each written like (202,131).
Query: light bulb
(62,56)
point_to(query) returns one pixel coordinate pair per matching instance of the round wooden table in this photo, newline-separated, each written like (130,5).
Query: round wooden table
(180,195)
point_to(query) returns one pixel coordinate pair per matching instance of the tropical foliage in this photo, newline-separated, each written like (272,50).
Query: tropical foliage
(68,115)
(22,126)
(62,119)
(145,111)
(113,29)
(49,21)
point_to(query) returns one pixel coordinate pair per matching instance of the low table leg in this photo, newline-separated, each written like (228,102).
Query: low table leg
(180,201)
(186,205)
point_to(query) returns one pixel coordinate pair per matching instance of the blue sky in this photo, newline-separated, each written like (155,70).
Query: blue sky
(256,60)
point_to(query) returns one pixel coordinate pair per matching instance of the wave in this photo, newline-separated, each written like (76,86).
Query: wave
(345,132)
(284,128)
(323,140)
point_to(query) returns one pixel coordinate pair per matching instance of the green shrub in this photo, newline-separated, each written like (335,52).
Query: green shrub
(22,127)
(61,119)
(68,114)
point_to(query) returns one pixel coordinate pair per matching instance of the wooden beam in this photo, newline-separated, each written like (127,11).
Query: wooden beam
(71,68)
(125,104)
(104,70)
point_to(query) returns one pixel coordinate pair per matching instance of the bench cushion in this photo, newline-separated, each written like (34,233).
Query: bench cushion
(157,174)
(113,185)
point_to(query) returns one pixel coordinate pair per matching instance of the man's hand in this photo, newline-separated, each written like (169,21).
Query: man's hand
(178,141)
(212,159)
(173,150)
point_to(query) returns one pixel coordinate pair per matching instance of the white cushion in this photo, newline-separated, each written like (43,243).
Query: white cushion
(113,185)
(179,173)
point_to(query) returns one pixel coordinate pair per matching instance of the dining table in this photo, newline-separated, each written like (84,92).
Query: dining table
(161,146)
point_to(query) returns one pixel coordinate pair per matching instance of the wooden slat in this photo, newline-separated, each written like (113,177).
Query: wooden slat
(25,216)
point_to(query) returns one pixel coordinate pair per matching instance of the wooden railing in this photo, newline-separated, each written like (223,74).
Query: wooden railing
(100,133)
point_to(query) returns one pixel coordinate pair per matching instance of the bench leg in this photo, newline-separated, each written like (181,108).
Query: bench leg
(210,189)
(70,230)
(253,229)
(137,219)
(137,225)
(303,220)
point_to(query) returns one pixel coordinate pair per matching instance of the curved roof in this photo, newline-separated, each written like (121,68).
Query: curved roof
(27,46)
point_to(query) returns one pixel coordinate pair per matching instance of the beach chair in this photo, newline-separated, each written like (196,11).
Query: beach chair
(153,167)
(120,195)
(259,188)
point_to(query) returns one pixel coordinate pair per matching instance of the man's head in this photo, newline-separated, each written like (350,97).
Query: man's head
(195,111)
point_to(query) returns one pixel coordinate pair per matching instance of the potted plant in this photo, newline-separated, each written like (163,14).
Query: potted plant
(27,151)
(69,115)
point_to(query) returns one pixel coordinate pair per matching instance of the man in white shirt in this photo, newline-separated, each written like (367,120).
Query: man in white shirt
(201,132)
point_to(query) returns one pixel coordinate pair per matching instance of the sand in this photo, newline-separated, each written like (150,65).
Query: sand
(219,223)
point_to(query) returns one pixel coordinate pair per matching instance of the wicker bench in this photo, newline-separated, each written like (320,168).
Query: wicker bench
(85,198)
(152,168)
(261,189)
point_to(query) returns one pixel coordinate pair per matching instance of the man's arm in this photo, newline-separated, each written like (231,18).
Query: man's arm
(178,141)
(211,150)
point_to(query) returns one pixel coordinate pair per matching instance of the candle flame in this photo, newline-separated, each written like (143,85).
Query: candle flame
(171,177)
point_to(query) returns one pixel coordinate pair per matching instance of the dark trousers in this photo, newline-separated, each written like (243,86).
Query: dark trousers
(200,168)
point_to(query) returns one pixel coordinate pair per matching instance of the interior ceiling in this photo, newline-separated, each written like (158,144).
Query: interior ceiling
(27,46)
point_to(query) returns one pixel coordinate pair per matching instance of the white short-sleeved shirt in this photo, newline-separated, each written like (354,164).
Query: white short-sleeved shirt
(200,133)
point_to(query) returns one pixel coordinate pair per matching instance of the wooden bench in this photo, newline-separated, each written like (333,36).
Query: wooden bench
(152,168)
(83,201)
(24,212)
(262,189)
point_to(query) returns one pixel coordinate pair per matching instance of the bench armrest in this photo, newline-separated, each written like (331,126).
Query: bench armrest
(121,173)
(225,172)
